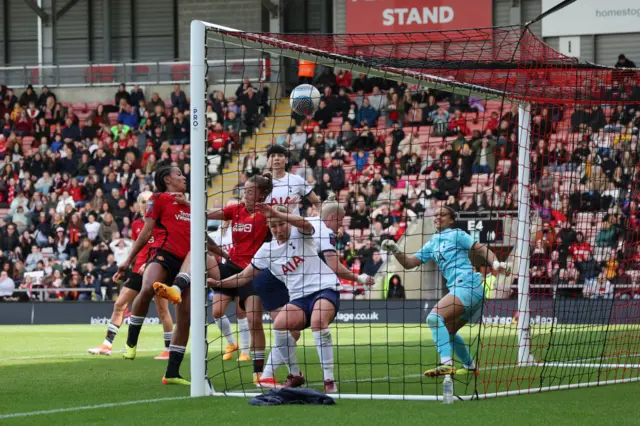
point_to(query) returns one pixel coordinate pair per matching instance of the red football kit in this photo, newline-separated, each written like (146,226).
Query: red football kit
(143,256)
(248,232)
(173,224)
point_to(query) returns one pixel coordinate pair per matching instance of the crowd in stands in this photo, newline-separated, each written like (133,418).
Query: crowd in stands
(391,152)
(71,173)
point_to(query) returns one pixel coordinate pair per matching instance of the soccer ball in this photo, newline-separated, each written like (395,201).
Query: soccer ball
(304,99)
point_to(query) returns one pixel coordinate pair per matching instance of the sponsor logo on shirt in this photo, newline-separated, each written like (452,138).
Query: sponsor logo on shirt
(292,265)
(184,216)
(283,201)
(242,227)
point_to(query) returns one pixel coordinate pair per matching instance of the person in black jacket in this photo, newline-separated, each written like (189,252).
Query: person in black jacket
(624,62)
(323,115)
(447,186)
(396,289)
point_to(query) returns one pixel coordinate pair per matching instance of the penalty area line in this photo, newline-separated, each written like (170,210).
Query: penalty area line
(89,407)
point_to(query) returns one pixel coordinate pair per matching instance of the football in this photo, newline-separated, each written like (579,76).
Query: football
(304,99)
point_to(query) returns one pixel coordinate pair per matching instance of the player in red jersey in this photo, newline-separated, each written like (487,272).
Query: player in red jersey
(249,230)
(168,220)
(131,289)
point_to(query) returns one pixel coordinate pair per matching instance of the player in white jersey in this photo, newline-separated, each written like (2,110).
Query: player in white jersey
(274,294)
(288,190)
(292,257)
(223,238)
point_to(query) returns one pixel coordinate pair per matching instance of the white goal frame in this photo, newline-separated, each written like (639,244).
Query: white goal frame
(200,385)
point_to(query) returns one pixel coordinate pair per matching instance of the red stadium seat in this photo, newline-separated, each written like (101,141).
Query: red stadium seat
(79,106)
(180,72)
(91,106)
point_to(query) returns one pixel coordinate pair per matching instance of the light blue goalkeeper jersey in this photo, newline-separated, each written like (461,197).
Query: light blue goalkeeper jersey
(449,249)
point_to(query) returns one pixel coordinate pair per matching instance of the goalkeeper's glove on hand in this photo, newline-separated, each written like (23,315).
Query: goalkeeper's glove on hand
(390,246)
(499,266)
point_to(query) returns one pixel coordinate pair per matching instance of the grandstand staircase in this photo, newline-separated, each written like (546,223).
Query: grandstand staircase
(278,123)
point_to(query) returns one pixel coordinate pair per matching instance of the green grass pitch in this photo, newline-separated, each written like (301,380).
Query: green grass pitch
(46,377)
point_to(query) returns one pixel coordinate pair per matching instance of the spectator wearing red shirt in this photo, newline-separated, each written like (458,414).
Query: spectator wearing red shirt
(344,79)
(218,139)
(493,123)
(458,123)
(580,248)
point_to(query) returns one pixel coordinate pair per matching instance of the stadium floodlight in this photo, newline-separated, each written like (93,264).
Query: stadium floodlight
(584,343)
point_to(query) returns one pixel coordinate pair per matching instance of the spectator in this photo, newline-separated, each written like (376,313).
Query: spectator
(122,95)
(624,62)
(179,99)
(485,160)
(367,116)
(7,286)
(395,289)
(121,247)
(606,237)
(377,100)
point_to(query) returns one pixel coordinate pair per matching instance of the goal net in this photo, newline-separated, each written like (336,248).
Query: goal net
(537,152)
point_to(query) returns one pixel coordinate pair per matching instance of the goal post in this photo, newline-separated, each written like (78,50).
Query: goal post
(502,66)
(199,197)
(524,235)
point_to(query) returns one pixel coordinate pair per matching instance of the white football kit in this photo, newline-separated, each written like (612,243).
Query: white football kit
(289,191)
(297,263)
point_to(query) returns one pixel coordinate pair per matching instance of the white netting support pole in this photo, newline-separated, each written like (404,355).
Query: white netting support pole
(198,210)
(524,231)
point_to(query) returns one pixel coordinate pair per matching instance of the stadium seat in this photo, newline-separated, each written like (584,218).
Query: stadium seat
(79,107)
(91,106)
(180,72)
(27,142)
(100,74)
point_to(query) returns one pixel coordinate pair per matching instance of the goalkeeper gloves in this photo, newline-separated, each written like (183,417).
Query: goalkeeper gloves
(390,246)
(498,266)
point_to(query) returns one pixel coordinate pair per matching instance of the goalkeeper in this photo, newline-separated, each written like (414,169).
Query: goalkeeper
(449,248)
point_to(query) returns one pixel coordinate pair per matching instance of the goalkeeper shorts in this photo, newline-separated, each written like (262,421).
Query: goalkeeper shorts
(471,295)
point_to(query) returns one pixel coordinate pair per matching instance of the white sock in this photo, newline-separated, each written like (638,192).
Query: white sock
(225,328)
(286,347)
(446,360)
(324,343)
(273,362)
(245,335)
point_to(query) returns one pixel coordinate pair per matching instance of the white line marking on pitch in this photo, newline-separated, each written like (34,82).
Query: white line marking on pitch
(89,407)
(17,358)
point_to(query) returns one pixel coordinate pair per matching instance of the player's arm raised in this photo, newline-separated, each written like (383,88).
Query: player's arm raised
(315,200)
(298,221)
(408,261)
(141,241)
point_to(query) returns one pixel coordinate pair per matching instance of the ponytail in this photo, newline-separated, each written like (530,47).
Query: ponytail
(264,183)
